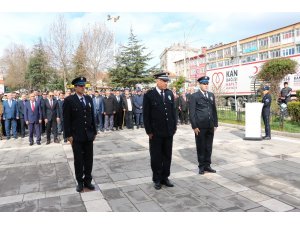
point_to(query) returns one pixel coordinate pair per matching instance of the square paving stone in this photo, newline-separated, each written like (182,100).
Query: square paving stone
(130,188)
(68,201)
(267,190)
(222,192)
(28,188)
(49,204)
(137,196)
(118,176)
(114,193)
(259,209)
(276,206)
(128,207)
(80,208)
(188,200)
(291,200)
(217,202)
(203,209)
(242,202)
(150,206)
(28,206)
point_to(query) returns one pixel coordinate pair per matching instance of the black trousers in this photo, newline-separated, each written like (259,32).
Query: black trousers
(51,125)
(161,156)
(129,119)
(266,119)
(204,143)
(22,127)
(184,117)
(118,119)
(83,161)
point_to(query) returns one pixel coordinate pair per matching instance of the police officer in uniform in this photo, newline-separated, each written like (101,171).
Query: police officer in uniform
(204,121)
(160,125)
(267,99)
(80,130)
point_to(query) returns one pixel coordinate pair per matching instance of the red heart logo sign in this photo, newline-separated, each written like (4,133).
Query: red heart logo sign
(217,79)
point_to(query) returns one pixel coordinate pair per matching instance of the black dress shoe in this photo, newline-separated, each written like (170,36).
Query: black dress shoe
(56,141)
(89,186)
(267,138)
(201,171)
(48,142)
(210,170)
(31,143)
(79,187)
(157,185)
(167,182)
(38,143)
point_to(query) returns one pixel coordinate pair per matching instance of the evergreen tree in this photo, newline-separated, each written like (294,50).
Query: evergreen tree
(131,65)
(78,61)
(39,74)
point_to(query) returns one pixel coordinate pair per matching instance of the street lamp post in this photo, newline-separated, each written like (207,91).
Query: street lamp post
(114,19)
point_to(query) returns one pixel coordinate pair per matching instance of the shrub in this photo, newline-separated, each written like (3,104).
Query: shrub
(294,111)
(298,95)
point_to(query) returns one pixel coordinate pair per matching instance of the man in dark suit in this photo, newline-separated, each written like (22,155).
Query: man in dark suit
(119,116)
(160,125)
(51,117)
(98,111)
(183,108)
(21,109)
(61,118)
(128,109)
(138,108)
(33,118)
(204,121)
(80,128)
(10,116)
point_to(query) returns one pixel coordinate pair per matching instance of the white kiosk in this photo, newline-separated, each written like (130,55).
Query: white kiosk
(253,121)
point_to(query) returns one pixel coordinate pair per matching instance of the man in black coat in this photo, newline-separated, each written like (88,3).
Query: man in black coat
(21,109)
(119,116)
(51,117)
(80,129)
(204,121)
(160,125)
(267,99)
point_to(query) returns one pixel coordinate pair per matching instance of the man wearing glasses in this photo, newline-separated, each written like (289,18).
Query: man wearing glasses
(80,130)
(160,125)
(204,121)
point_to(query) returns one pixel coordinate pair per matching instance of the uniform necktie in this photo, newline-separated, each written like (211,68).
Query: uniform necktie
(205,94)
(162,95)
(32,106)
(82,102)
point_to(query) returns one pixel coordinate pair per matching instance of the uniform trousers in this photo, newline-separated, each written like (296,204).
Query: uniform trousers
(161,156)
(266,119)
(83,161)
(204,143)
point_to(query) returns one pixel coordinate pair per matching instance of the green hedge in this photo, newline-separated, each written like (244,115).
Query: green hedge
(298,95)
(294,111)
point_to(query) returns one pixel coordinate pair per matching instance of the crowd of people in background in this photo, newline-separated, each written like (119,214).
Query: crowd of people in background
(41,113)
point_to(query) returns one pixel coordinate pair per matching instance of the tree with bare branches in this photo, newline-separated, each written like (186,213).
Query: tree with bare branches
(60,46)
(97,41)
(14,61)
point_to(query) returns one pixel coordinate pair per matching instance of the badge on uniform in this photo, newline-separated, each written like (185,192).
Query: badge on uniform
(169,97)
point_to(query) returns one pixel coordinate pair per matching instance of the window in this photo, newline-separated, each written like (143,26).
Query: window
(288,51)
(227,62)
(227,52)
(211,65)
(297,31)
(220,54)
(288,34)
(263,56)
(275,38)
(263,43)
(298,49)
(275,53)
(249,46)
(220,64)
(249,58)
(234,50)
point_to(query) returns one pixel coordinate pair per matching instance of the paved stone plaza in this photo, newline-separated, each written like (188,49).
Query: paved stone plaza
(256,176)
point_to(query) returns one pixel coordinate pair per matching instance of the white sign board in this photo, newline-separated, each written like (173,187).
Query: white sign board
(253,121)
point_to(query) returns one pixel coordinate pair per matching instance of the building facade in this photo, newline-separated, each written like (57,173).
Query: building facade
(232,67)
(193,67)
(174,53)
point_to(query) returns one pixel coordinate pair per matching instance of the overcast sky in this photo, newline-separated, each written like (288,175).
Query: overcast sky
(156,30)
